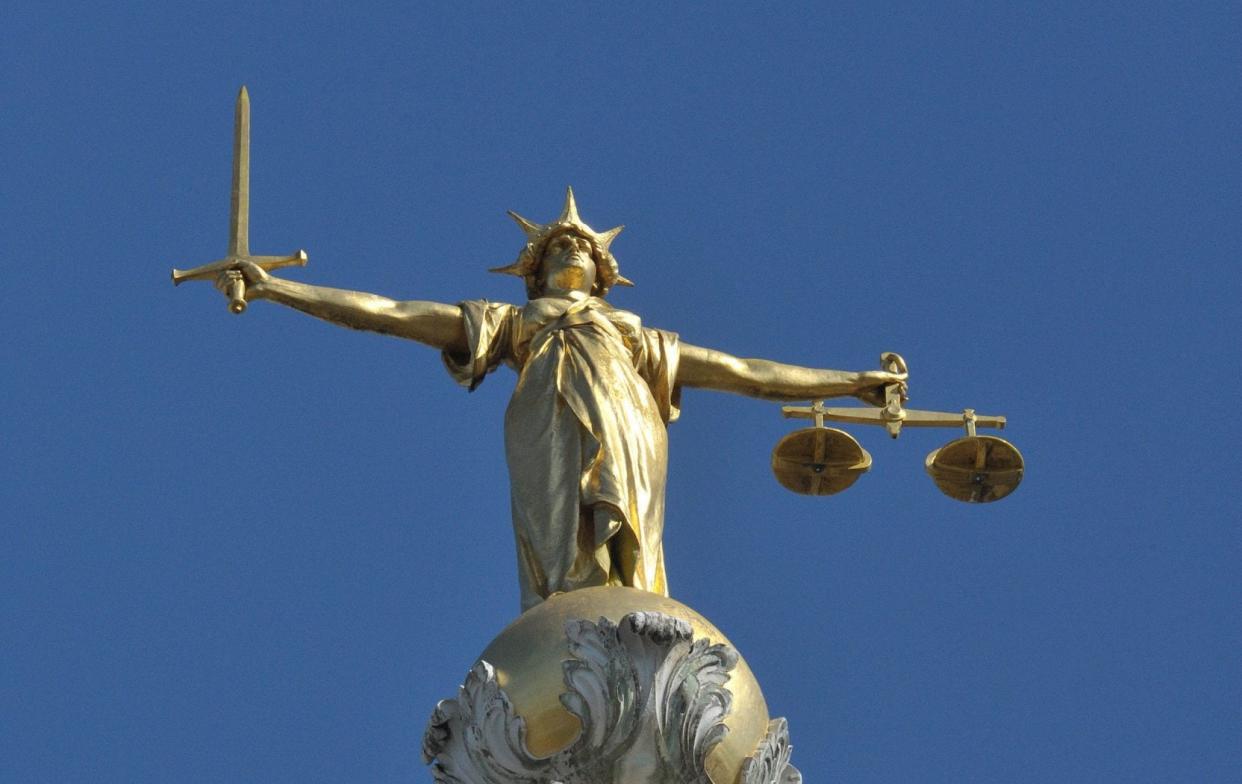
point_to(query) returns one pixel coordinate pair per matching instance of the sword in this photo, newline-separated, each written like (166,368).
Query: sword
(239,219)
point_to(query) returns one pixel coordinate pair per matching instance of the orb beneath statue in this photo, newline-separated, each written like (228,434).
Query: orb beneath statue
(609,684)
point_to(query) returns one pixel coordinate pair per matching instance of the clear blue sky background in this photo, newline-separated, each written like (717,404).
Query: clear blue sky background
(260,548)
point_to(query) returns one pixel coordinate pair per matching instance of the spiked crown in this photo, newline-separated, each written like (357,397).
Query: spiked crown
(607,273)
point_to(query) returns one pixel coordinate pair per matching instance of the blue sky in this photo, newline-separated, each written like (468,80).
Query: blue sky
(260,548)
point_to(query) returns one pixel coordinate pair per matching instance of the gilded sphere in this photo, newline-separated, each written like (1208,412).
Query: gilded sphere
(528,654)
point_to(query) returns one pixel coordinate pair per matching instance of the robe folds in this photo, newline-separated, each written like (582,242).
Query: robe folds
(585,437)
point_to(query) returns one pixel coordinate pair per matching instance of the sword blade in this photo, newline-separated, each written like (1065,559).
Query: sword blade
(239,216)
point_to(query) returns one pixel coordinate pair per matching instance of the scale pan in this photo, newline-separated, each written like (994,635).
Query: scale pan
(976,469)
(819,461)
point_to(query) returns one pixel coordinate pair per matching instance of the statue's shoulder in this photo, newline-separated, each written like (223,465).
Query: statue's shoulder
(481,308)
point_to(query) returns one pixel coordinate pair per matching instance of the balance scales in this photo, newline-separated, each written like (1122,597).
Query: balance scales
(823,460)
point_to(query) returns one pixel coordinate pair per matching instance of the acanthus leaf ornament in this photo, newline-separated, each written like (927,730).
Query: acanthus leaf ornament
(650,698)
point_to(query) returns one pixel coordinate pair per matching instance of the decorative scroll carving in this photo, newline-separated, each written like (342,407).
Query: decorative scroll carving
(651,700)
(770,762)
(477,737)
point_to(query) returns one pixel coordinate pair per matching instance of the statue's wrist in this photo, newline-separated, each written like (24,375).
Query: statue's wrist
(261,289)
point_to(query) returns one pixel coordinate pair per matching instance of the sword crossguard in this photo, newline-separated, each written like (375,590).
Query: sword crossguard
(237,291)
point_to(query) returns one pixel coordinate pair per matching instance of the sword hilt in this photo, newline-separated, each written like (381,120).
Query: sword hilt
(237,296)
(237,289)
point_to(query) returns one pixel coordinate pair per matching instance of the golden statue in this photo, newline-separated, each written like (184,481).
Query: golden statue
(585,434)
(585,431)
(603,682)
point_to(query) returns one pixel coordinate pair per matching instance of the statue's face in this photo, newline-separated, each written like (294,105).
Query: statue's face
(568,265)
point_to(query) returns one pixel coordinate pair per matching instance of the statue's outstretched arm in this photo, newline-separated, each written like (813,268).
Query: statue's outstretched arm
(762,378)
(434,323)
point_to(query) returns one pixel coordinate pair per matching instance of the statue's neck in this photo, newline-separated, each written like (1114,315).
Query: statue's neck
(572,295)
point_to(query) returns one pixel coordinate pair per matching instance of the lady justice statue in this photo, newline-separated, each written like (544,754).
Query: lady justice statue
(603,677)
(585,431)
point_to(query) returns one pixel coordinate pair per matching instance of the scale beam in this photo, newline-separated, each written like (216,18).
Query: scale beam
(910,417)
(905,417)
(892,416)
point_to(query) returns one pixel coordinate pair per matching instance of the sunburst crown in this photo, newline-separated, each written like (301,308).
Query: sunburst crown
(607,272)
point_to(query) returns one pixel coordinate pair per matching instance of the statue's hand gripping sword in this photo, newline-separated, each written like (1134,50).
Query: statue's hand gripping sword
(239,219)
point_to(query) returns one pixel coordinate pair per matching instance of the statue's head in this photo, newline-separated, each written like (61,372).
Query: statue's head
(560,241)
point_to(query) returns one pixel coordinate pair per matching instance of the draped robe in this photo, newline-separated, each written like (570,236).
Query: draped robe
(585,437)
